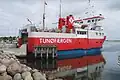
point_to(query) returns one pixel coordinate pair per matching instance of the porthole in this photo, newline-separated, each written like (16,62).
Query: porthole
(93,20)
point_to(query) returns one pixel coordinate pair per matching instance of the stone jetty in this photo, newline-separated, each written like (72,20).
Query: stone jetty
(12,69)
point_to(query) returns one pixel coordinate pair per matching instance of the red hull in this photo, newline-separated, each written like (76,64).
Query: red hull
(77,43)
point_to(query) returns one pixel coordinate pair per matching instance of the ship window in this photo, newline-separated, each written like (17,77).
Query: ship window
(81,22)
(81,32)
(93,20)
(75,21)
(96,33)
(98,19)
(89,21)
(100,33)
(24,30)
(78,32)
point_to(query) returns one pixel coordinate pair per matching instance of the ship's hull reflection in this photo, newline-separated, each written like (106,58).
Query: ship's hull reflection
(86,66)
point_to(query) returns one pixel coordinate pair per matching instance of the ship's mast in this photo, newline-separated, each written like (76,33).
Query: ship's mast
(44,15)
(60,9)
(86,53)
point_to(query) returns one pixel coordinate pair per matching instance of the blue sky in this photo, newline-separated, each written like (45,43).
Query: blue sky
(13,14)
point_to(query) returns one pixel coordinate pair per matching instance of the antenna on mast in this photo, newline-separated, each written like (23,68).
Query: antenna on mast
(29,20)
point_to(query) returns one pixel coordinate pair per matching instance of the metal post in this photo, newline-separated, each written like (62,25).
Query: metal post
(75,75)
(47,53)
(41,64)
(53,63)
(41,52)
(53,52)
(86,51)
(47,64)
(35,54)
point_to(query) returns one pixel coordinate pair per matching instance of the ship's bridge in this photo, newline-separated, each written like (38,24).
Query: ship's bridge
(92,23)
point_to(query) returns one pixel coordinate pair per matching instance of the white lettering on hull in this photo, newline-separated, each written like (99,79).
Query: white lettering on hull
(42,40)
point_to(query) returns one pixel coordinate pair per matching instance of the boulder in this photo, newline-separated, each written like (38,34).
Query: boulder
(38,76)
(2,68)
(24,74)
(14,68)
(13,56)
(6,61)
(28,78)
(25,68)
(6,77)
(17,76)
(4,74)
(34,70)
(2,78)
(1,51)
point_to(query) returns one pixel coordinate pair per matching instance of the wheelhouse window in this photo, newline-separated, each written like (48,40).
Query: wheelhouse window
(102,33)
(75,21)
(24,30)
(98,19)
(78,32)
(34,29)
(88,21)
(81,22)
(82,32)
(96,33)
(95,20)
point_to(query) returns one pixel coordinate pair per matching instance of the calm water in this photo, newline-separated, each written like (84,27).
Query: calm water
(110,51)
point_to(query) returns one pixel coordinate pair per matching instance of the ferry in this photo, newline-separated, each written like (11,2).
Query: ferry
(72,38)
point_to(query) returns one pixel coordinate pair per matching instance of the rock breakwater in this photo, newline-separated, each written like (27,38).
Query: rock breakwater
(12,69)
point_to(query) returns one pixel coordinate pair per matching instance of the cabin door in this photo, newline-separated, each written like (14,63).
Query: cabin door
(24,37)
